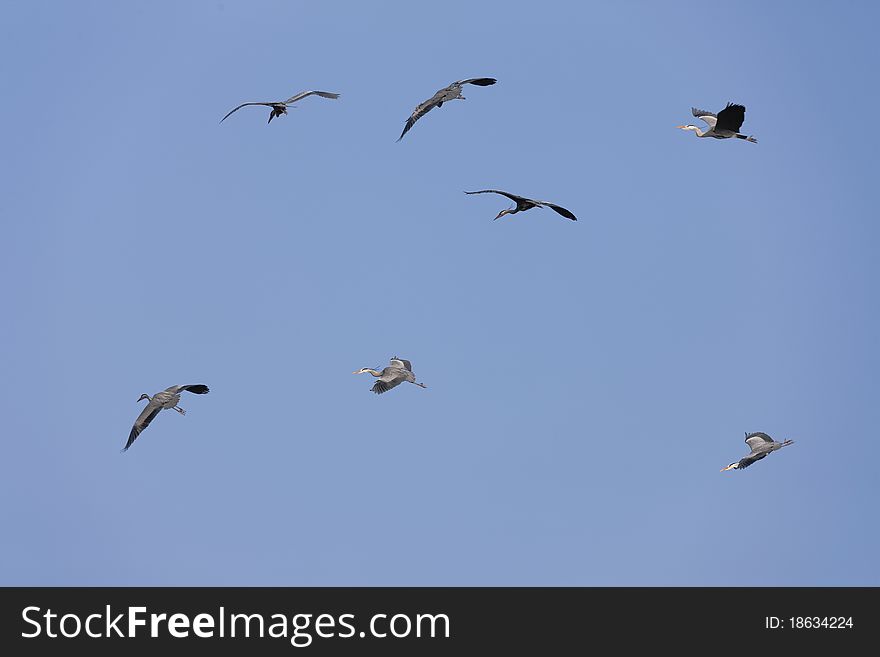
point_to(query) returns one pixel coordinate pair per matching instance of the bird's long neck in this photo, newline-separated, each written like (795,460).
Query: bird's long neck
(373,372)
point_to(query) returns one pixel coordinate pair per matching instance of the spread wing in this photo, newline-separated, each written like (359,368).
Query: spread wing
(401,363)
(480,82)
(751,458)
(758,439)
(434,101)
(731,118)
(303,94)
(386,383)
(197,388)
(709,117)
(561,210)
(143,421)
(245,105)
(512,197)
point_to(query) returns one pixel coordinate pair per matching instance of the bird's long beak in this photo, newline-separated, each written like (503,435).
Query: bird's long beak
(358,372)
(727,468)
(680,126)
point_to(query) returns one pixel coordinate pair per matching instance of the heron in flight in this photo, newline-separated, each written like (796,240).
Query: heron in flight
(761,445)
(398,371)
(452,92)
(523,203)
(724,125)
(168,398)
(280,107)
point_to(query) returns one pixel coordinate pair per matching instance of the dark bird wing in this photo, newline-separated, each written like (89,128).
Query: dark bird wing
(480,82)
(709,117)
(197,388)
(245,105)
(410,122)
(303,94)
(385,384)
(751,458)
(757,440)
(423,108)
(401,362)
(561,210)
(143,421)
(512,197)
(731,118)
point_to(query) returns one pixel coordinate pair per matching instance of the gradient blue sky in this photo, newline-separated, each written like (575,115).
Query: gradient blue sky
(587,380)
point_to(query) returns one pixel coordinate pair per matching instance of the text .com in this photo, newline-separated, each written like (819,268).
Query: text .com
(299,629)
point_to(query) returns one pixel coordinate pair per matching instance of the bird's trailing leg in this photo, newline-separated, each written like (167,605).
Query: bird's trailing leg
(754,140)
(420,385)
(180,410)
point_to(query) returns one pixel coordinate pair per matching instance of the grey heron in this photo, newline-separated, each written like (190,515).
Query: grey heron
(761,445)
(168,398)
(724,125)
(280,107)
(523,203)
(398,371)
(452,92)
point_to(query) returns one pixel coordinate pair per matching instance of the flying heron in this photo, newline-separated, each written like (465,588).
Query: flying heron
(168,398)
(761,445)
(280,107)
(398,371)
(452,92)
(523,203)
(724,125)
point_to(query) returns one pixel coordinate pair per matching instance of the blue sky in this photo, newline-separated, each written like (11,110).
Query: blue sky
(587,380)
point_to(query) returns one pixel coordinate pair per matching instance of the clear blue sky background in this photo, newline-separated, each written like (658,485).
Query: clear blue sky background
(587,380)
